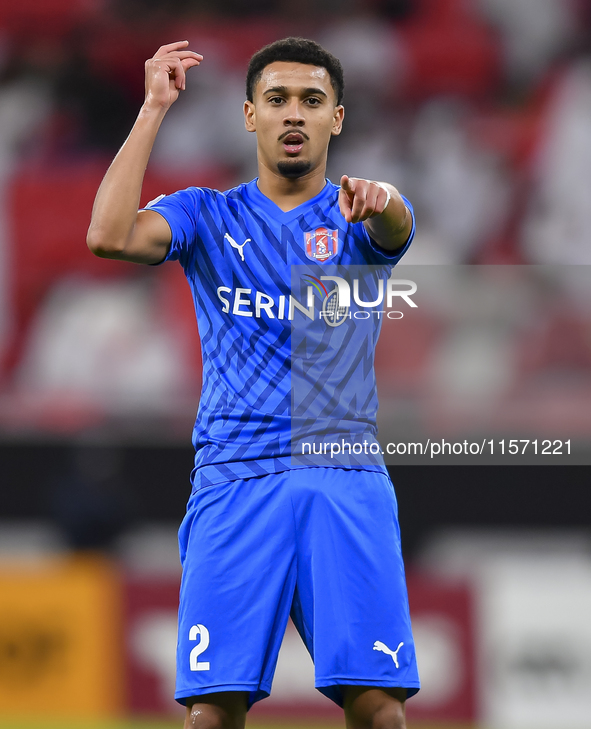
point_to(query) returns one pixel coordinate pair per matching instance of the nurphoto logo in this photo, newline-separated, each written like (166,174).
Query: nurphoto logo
(336,303)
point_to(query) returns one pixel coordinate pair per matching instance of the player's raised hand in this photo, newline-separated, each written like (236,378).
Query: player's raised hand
(165,73)
(361,199)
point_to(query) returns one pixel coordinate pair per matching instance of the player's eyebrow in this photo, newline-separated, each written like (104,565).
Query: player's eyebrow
(313,90)
(305,92)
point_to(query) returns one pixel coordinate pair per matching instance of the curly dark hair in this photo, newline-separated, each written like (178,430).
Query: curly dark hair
(295,50)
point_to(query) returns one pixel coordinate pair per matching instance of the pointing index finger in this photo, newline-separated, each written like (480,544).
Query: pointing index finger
(345,199)
(346,184)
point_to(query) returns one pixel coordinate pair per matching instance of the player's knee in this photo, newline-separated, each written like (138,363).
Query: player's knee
(208,715)
(375,709)
(201,716)
(389,716)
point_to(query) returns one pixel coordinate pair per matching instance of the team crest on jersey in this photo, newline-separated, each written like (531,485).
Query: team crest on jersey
(322,244)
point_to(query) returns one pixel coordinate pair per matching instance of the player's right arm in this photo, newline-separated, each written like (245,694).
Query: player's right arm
(117,230)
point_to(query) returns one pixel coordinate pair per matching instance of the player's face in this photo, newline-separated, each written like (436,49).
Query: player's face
(294,115)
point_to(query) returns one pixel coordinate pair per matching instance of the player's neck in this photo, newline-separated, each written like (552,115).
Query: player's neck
(287,193)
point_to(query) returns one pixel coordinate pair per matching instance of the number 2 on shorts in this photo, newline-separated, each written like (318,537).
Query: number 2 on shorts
(198,650)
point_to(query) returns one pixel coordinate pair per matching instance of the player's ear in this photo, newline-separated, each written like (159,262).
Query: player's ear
(337,123)
(249,116)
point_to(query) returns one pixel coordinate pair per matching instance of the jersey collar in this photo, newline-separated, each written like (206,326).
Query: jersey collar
(272,209)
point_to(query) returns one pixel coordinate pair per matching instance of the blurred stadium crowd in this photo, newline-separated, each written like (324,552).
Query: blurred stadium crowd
(478,110)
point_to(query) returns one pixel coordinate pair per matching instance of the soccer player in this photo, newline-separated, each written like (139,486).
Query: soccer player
(267,535)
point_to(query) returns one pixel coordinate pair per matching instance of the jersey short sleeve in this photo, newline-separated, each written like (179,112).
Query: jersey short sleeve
(181,212)
(392,257)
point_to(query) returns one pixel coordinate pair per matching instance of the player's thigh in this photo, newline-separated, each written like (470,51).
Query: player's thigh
(223,710)
(367,707)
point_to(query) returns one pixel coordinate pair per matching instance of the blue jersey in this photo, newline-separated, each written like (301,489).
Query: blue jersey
(239,251)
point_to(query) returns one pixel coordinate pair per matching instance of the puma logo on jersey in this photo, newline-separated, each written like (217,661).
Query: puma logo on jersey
(237,246)
(379,646)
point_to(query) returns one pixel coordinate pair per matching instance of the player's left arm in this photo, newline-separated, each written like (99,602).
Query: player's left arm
(381,208)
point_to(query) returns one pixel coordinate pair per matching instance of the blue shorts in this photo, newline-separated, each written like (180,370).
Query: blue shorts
(321,544)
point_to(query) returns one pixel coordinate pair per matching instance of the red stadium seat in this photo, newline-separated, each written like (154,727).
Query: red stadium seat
(403,353)
(449,51)
(50,212)
(45,17)
(236,39)
(561,347)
